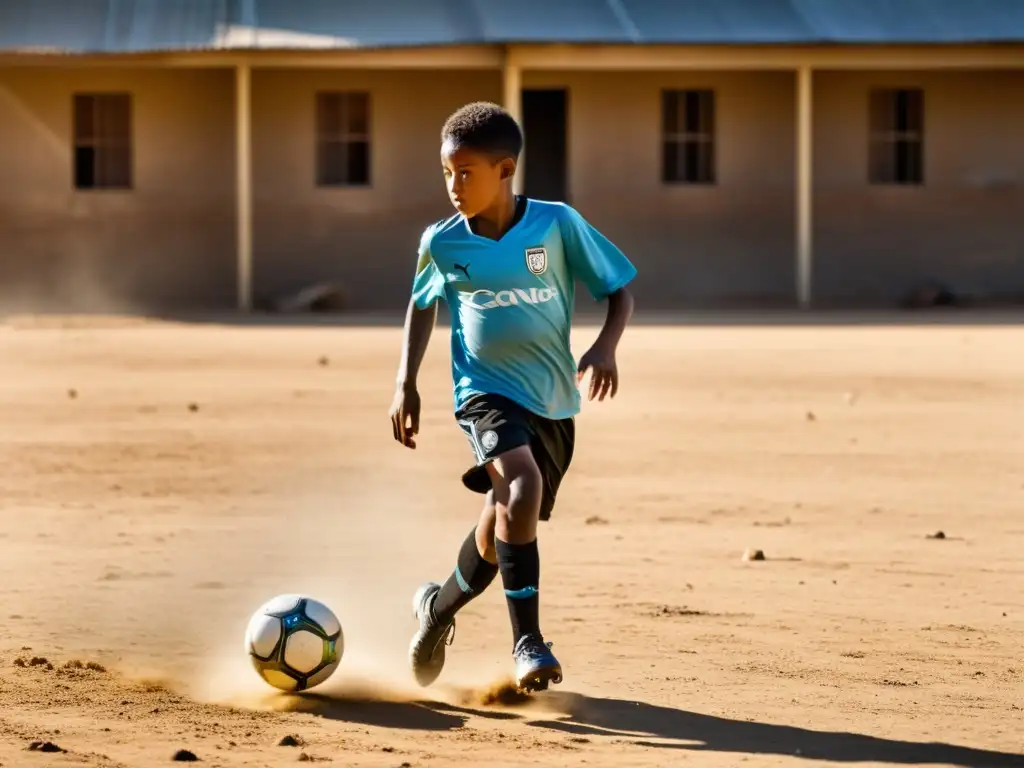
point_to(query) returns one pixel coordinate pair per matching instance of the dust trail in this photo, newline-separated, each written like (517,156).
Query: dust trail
(360,556)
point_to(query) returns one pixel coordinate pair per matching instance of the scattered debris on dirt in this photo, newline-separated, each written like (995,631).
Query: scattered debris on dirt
(321,297)
(753,554)
(936,535)
(677,610)
(72,394)
(291,741)
(44,746)
(185,756)
(810,416)
(324,362)
(595,520)
(193,407)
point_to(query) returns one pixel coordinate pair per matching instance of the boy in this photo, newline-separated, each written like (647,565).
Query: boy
(506,265)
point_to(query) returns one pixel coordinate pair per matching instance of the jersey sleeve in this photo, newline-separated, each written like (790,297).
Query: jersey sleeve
(592,257)
(428,284)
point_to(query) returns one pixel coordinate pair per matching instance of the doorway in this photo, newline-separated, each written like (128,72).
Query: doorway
(545,125)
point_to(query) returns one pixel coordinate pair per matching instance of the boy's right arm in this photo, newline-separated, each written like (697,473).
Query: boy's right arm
(420,317)
(405,408)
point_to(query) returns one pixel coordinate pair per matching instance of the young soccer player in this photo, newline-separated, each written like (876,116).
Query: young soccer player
(506,266)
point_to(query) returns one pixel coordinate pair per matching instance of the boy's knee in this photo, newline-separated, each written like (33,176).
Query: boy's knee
(516,479)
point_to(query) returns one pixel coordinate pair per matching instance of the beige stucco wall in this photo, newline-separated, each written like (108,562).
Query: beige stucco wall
(169,241)
(364,238)
(964,226)
(692,244)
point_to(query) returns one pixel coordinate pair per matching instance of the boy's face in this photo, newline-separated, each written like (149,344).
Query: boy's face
(474,179)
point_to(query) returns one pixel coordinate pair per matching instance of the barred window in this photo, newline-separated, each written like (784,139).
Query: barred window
(896,153)
(103,140)
(688,137)
(343,139)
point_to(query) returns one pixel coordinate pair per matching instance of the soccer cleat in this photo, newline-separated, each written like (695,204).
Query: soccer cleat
(536,666)
(426,651)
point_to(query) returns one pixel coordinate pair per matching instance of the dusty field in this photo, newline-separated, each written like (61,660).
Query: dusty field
(139,533)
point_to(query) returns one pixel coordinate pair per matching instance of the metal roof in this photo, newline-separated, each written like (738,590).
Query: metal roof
(136,26)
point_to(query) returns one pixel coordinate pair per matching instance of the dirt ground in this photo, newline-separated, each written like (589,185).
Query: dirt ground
(161,480)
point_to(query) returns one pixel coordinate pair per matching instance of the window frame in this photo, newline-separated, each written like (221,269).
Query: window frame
(342,137)
(98,138)
(886,137)
(704,138)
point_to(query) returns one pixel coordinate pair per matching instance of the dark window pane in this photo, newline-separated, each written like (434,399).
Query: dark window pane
(691,151)
(330,163)
(908,162)
(114,166)
(908,110)
(357,113)
(358,157)
(328,114)
(114,117)
(84,129)
(692,118)
(85,167)
(670,112)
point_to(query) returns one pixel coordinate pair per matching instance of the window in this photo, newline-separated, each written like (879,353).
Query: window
(343,139)
(896,154)
(103,141)
(688,137)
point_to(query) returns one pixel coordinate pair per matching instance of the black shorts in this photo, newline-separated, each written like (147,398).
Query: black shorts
(494,424)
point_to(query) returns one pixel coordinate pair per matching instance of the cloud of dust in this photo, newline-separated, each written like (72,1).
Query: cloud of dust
(361,543)
(74,271)
(362,549)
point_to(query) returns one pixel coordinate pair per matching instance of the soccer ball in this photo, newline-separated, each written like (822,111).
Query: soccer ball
(294,642)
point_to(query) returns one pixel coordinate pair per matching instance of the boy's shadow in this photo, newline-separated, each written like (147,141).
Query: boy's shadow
(678,729)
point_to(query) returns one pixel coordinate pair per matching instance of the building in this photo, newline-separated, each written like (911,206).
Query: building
(184,154)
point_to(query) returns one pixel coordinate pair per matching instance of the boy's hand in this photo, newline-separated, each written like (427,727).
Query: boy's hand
(405,415)
(604,373)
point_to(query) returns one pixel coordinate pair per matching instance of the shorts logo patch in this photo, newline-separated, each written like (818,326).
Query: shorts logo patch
(489,440)
(537,260)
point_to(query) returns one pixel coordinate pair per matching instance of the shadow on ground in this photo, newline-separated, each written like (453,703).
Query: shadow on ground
(679,729)
(404,715)
(650,726)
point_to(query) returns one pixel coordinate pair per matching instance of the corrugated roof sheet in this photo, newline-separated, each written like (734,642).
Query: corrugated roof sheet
(131,26)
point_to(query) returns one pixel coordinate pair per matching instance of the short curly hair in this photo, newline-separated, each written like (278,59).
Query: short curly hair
(484,127)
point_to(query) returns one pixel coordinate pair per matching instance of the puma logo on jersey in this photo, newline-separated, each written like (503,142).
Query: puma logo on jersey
(485,299)
(463,269)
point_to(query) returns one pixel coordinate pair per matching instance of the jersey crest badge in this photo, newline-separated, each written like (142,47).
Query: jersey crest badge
(537,260)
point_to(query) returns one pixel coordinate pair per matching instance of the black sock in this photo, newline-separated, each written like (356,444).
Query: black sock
(520,573)
(472,575)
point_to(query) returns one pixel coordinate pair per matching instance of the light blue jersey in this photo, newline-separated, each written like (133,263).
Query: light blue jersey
(512,300)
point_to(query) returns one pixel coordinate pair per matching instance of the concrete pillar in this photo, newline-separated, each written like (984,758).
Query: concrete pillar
(243,185)
(804,186)
(513,102)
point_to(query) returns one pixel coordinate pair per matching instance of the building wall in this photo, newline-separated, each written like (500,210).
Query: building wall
(732,241)
(171,240)
(963,226)
(364,238)
(168,241)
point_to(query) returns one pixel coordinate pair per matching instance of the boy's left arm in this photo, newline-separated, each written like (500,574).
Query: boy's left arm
(605,271)
(600,358)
